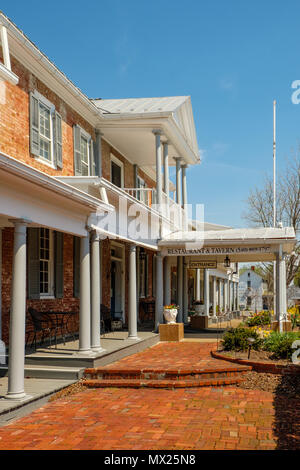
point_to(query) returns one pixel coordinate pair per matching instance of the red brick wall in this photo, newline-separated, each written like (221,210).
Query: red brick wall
(67,303)
(14,121)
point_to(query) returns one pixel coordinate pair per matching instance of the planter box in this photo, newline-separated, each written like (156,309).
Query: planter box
(286,326)
(199,323)
(171,332)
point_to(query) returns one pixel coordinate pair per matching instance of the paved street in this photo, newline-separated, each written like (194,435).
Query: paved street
(196,418)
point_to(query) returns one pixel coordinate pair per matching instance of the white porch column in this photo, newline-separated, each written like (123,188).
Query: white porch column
(178,189)
(281,303)
(85,296)
(184,196)
(214,297)
(167,280)
(226,282)
(159,291)
(179,289)
(206,292)
(219,296)
(166,176)
(158,134)
(17,315)
(185,300)
(96,292)
(198,285)
(132,302)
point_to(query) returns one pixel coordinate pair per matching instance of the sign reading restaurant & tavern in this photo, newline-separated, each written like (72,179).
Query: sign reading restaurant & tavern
(217,250)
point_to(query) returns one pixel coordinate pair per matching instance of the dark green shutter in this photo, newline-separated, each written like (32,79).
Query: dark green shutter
(92,158)
(33,263)
(77,153)
(59,264)
(76,266)
(58,139)
(34,125)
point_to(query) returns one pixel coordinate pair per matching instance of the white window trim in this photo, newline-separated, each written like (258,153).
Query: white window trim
(50,294)
(51,106)
(118,162)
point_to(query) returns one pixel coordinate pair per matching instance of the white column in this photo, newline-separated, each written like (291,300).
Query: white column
(226,295)
(157,134)
(17,315)
(214,296)
(206,292)
(185,300)
(281,303)
(166,176)
(198,285)
(167,280)
(179,289)
(96,292)
(184,196)
(178,190)
(132,303)
(85,297)
(5,48)
(159,291)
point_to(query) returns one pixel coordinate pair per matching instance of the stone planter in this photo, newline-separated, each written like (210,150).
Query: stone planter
(170,315)
(199,309)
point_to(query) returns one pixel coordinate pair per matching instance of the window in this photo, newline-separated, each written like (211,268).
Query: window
(117,172)
(141,195)
(46,274)
(45,263)
(83,153)
(45,130)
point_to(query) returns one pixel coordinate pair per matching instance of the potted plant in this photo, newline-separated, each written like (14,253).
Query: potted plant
(170,313)
(199,307)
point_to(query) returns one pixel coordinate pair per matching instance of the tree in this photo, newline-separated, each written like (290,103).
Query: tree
(260,213)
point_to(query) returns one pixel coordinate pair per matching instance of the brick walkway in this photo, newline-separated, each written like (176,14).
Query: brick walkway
(116,419)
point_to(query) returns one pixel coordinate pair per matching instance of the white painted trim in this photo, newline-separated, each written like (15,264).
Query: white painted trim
(8,75)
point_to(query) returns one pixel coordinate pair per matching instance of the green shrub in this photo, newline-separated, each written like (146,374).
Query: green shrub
(259,319)
(280,344)
(235,339)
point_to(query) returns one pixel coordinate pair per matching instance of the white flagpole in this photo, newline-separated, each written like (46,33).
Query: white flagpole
(274,208)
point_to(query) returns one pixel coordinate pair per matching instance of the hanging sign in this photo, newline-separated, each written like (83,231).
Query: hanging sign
(202,264)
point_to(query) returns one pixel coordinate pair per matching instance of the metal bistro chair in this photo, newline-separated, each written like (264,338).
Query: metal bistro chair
(41,323)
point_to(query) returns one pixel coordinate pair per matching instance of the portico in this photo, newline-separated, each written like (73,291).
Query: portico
(223,249)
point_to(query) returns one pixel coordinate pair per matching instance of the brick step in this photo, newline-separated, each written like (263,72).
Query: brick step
(165,374)
(169,384)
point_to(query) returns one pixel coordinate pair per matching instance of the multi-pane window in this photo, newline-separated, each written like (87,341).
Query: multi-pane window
(45,130)
(45,261)
(84,152)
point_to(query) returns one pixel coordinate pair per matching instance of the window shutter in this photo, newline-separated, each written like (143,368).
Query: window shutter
(93,171)
(34,125)
(59,264)
(147,275)
(77,155)
(58,139)
(33,247)
(76,267)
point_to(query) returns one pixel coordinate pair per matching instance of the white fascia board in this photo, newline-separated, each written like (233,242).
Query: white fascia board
(8,75)
(34,60)
(163,121)
(24,171)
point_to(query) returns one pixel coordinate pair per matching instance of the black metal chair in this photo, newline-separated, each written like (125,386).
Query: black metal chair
(41,323)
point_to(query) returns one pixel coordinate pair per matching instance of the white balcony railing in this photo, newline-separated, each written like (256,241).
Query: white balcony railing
(169,209)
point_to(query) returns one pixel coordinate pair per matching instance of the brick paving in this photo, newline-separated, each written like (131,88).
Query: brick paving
(179,419)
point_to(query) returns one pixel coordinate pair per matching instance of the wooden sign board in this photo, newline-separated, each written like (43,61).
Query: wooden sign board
(202,264)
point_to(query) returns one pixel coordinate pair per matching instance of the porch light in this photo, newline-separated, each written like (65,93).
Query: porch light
(227,262)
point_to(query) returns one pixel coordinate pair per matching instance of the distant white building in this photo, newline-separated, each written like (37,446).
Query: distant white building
(251,289)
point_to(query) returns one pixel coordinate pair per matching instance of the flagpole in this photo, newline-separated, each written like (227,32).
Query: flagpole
(274,210)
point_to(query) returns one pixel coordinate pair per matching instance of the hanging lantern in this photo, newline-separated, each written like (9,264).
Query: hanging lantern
(227,262)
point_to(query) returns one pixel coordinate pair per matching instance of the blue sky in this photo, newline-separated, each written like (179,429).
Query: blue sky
(232,57)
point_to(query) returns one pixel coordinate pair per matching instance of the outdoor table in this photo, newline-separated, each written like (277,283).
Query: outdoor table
(61,320)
